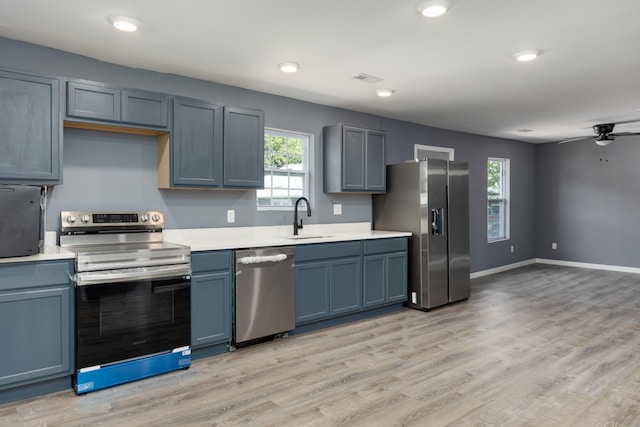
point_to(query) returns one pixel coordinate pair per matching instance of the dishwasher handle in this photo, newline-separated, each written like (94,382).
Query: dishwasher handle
(262,259)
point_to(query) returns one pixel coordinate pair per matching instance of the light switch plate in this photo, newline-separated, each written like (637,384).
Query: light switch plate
(231,215)
(337,209)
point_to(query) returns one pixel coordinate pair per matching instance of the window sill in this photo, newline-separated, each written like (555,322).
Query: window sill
(503,239)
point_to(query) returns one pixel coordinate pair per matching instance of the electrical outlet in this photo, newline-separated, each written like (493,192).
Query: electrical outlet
(231,215)
(554,245)
(414,298)
(512,249)
(337,209)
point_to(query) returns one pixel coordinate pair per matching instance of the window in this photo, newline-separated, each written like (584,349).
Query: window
(497,199)
(286,172)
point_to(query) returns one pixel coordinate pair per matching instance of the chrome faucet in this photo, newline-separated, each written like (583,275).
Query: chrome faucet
(297,226)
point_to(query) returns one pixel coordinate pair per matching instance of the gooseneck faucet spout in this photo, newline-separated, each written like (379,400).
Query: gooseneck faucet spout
(297,226)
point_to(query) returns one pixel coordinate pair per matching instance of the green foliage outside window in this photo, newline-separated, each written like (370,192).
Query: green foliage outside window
(282,152)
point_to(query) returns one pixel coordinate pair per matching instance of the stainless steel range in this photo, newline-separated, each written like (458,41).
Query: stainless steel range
(133,315)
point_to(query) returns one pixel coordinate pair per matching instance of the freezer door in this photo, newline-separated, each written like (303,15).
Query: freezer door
(434,230)
(459,269)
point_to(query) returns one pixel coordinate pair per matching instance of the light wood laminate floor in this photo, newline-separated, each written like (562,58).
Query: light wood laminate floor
(540,345)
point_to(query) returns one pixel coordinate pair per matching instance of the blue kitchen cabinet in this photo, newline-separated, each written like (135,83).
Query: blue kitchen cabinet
(196,145)
(211,298)
(30,129)
(36,326)
(346,285)
(212,146)
(385,271)
(312,290)
(243,148)
(354,160)
(328,280)
(100,102)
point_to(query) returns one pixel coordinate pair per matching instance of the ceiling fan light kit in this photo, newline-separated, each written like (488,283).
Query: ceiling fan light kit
(433,8)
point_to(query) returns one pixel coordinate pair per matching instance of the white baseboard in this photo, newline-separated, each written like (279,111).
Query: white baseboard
(502,268)
(619,268)
(508,267)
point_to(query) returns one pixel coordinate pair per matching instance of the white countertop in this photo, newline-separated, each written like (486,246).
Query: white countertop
(209,239)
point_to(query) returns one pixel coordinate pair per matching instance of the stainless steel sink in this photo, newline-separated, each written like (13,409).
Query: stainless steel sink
(310,236)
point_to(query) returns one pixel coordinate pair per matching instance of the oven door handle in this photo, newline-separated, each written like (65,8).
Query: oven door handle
(157,289)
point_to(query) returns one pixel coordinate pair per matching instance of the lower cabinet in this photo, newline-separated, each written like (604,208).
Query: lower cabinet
(334,279)
(36,322)
(328,280)
(385,271)
(211,298)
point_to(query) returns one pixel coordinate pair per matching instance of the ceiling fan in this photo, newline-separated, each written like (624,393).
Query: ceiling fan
(604,133)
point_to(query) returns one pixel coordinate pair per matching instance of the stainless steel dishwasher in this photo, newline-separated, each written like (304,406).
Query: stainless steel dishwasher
(265,292)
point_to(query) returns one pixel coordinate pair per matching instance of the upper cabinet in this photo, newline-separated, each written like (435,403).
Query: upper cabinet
(243,148)
(30,129)
(354,160)
(193,156)
(212,147)
(99,102)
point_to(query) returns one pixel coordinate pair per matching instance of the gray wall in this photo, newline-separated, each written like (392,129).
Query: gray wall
(116,171)
(588,202)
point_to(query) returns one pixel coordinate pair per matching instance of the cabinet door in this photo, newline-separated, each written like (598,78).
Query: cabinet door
(30,129)
(243,148)
(312,291)
(196,144)
(375,274)
(396,277)
(145,108)
(346,285)
(35,334)
(93,101)
(353,154)
(210,308)
(375,161)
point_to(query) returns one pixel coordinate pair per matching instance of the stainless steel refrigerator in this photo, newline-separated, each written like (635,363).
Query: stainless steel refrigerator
(430,199)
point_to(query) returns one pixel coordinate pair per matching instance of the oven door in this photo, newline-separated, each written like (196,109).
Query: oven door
(127,320)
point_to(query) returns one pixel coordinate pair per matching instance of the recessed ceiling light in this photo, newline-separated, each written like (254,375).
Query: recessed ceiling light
(124,23)
(383,93)
(289,67)
(527,55)
(433,8)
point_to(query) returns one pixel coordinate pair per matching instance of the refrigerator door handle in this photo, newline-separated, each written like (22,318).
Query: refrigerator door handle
(436,222)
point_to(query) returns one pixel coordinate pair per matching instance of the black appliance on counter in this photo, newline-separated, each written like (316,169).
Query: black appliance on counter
(133,298)
(21,220)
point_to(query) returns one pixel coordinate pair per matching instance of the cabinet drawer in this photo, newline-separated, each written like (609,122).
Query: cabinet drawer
(210,261)
(318,251)
(378,246)
(33,274)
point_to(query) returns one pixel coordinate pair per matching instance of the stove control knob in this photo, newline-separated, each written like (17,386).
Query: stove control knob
(155,217)
(85,218)
(144,217)
(71,219)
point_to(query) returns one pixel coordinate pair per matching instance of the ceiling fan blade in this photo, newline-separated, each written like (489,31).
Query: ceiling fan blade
(627,121)
(582,138)
(624,134)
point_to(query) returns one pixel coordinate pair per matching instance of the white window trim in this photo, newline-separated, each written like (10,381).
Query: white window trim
(418,147)
(307,163)
(506,181)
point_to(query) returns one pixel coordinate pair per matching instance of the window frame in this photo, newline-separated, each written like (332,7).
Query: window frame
(306,162)
(503,199)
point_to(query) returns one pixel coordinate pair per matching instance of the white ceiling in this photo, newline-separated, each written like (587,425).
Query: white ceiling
(453,72)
